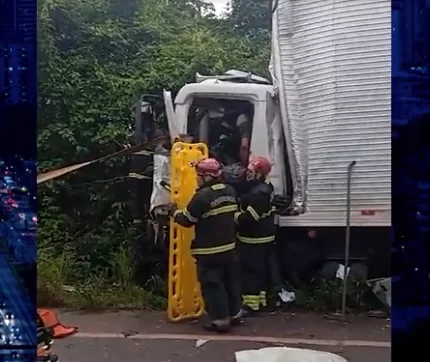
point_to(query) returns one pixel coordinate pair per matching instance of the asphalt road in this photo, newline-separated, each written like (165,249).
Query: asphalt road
(147,337)
(126,350)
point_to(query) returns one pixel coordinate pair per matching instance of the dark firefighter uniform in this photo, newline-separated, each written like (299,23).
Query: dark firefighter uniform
(212,210)
(256,233)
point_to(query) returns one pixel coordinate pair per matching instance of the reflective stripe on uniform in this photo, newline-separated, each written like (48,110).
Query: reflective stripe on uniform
(263,240)
(213,250)
(257,217)
(218,187)
(263,298)
(251,301)
(253,213)
(220,210)
(270,212)
(236,216)
(189,216)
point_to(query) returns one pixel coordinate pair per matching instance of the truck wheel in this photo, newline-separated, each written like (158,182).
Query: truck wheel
(359,271)
(329,269)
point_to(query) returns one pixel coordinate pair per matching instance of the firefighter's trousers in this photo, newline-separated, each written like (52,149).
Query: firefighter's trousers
(219,277)
(256,276)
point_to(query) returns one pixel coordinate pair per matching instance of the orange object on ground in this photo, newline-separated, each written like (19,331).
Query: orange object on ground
(50,320)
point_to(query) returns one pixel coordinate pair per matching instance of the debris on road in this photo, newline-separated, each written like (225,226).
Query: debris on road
(381,287)
(129,333)
(201,342)
(286,354)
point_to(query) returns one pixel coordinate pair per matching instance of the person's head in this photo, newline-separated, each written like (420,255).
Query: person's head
(208,170)
(258,168)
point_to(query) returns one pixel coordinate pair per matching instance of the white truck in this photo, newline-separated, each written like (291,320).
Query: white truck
(326,110)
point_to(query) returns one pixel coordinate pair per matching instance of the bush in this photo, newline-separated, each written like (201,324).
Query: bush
(112,289)
(325,295)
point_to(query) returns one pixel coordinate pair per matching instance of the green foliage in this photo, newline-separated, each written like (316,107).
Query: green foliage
(325,295)
(250,17)
(95,58)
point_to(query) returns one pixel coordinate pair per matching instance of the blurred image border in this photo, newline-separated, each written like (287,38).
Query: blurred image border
(18,154)
(410,315)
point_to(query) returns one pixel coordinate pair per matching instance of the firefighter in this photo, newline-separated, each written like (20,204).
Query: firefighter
(256,233)
(212,211)
(236,128)
(230,142)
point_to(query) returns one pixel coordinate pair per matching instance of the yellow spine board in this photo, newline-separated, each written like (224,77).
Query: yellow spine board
(185,300)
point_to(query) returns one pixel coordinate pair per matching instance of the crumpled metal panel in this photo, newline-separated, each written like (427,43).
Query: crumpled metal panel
(331,60)
(160,196)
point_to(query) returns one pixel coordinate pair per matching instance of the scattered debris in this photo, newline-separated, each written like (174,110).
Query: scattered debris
(341,271)
(129,334)
(381,287)
(286,296)
(338,316)
(201,342)
(378,314)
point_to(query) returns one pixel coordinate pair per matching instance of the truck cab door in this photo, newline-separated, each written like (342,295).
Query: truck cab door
(171,116)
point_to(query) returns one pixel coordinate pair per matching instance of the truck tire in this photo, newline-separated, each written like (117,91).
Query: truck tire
(329,269)
(359,271)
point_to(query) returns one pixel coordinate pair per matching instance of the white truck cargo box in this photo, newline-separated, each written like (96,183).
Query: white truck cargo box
(331,65)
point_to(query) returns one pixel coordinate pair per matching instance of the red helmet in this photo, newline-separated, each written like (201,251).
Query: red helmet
(260,165)
(209,167)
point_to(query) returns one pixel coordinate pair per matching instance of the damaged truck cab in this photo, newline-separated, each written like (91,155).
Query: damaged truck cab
(265,123)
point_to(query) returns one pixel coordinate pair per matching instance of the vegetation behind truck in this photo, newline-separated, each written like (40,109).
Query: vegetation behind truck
(328,106)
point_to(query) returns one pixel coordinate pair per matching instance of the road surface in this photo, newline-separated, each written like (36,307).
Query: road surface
(147,337)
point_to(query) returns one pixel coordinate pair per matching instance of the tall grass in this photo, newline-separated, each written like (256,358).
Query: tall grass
(109,289)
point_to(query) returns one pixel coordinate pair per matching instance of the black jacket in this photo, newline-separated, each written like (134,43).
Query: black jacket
(211,210)
(256,218)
